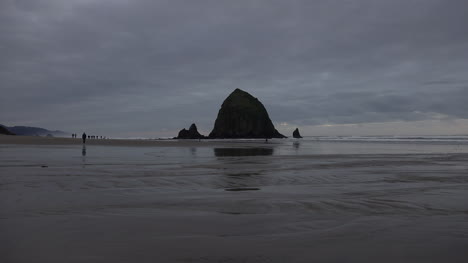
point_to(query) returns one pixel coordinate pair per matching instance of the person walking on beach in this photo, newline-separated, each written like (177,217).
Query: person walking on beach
(84,137)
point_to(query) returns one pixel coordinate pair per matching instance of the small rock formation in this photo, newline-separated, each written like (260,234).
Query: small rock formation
(296,133)
(5,131)
(243,116)
(191,133)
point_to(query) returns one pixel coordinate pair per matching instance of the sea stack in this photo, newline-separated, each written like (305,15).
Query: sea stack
(296,134)
(243,116)
(191,133)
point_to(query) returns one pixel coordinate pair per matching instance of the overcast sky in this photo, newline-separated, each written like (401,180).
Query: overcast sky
(149,68)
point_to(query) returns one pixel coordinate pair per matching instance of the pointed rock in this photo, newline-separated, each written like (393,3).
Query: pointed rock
(243,116)
(296,133)
(191,133)
(193,129)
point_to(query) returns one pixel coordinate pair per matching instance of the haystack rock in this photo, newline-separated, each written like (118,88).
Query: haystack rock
(191,133)
(296,133)
(243,116)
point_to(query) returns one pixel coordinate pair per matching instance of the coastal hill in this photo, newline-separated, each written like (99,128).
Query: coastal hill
(33,131)
(5,131)
(243,116)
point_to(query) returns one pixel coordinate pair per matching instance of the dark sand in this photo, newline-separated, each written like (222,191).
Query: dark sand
(170,201)
(36,140)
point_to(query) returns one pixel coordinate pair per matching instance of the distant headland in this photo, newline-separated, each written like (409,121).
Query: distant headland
(30,131)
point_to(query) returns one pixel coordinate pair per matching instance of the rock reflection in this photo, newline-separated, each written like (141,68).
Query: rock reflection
(296,145)
(225,152)
(193,151)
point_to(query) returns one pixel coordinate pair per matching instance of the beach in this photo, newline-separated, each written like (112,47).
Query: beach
(285,200)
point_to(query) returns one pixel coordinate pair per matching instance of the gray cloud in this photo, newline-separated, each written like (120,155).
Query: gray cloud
(152,67)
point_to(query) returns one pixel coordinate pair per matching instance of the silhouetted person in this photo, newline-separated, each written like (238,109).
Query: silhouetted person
(84,137)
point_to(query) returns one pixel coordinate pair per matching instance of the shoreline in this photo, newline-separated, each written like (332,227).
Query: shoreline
(37,140)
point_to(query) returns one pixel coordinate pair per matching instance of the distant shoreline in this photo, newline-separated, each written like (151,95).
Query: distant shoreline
(37,140)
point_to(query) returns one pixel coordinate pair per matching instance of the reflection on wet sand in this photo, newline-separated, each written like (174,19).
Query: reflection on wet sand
(296,145)
(237,176)
(193,151)
(83,156)
(226,152)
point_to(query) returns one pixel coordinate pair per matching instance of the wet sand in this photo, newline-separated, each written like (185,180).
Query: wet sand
(37,140)
(192,202)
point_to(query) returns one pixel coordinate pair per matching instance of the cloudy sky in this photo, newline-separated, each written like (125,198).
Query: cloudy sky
(151,67)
